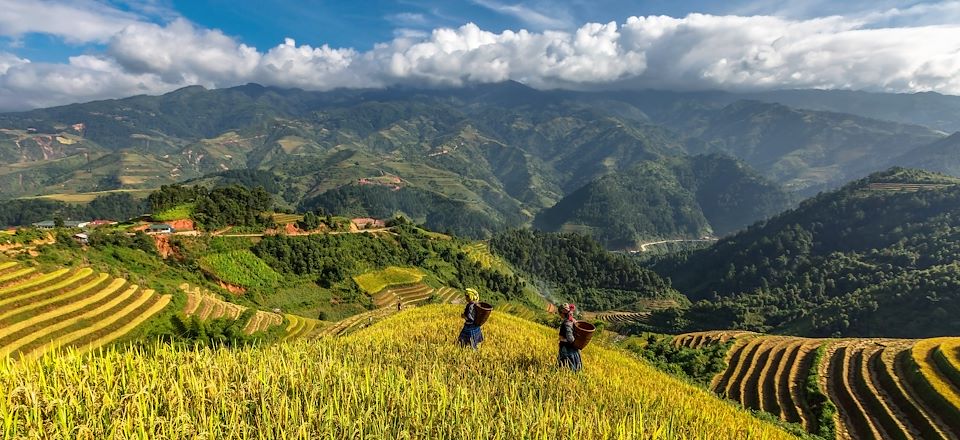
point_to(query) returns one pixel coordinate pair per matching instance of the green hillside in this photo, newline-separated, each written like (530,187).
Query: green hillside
(875,258)
(685,197)
(472,161)
(373,384)
(941,156)
(803,150)
(573,267)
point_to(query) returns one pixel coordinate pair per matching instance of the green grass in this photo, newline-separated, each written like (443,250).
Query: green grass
(176,213)
(240,268)
(373,282)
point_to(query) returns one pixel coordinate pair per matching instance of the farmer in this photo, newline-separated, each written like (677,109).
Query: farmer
(569,355)
(470,334)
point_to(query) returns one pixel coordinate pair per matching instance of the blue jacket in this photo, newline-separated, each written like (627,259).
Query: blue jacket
(566,334)
(470,314)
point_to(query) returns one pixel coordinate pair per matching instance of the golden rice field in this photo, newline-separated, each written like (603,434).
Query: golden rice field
(205,306)
(373,282)
(376,383)
(300,327)
(480,253)
(413,294)
(518,309)
(40,312)
(881,388)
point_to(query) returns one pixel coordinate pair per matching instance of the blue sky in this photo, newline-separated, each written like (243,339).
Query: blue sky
(59,51)
(361,24)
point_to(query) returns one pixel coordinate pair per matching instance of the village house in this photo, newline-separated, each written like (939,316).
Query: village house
(50,224)
(160,228)
(368,223)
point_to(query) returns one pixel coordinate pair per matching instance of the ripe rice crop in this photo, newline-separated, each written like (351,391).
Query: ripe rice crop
(374,384)
(859,388)
(373,282)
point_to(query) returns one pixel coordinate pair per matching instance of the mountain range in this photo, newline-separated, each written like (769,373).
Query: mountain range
(877,257)
(476,159)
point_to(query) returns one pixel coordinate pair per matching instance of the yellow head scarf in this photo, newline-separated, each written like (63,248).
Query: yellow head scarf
(472,294)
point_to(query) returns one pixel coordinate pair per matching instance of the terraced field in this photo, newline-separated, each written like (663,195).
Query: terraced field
(518,310)
(881,388)
(356,322)
(699,339)
(617,317)
(448,294)
(207,306)
(40,312)
(413,294)
(480,253)
(908,187)
(283,219)
(300,327)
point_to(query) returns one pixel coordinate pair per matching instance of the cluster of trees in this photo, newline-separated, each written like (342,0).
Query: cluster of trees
(699,365)
(23,212)
(580,269)
(335,258)
(171,196)
(232,205)
(102,239)
(854,262)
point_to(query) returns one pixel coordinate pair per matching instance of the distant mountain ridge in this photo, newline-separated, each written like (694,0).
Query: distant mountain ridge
(497,154)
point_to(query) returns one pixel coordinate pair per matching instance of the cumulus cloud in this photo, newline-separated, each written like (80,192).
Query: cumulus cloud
(693,52)
(75,21)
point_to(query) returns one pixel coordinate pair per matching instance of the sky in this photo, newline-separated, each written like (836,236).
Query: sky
(55,52)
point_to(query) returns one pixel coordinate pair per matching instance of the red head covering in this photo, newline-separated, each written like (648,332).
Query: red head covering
(568,310)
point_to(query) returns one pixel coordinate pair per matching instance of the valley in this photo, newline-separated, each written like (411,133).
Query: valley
(486,219)
(471,162)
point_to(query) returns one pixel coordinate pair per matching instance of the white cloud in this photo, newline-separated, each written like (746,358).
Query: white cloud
(182,53)
(693,52)
(8,60)
(407,19)
(527,14)
(76,21)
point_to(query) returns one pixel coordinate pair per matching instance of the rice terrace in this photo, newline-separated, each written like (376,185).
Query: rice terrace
(850,388)
(484,219)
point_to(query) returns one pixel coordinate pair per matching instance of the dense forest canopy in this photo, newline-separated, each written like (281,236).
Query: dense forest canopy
(24,212)
(231,205)
(678,197)
(876,257)
(577,268)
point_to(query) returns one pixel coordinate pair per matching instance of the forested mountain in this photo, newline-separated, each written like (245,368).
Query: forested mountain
(877,257)
(941,156)
(679,197)
(470,160)
(804,150)
(929,109)
(576,268)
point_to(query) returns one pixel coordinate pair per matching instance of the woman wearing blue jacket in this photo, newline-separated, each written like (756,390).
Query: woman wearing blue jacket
(569,356)
(470,334)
